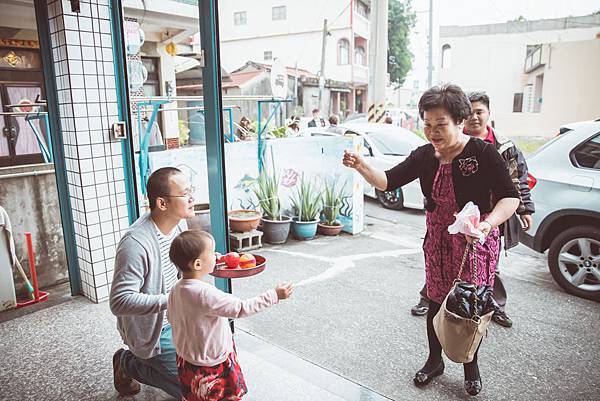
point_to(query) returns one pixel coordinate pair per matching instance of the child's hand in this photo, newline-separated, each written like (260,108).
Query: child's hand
(284,291)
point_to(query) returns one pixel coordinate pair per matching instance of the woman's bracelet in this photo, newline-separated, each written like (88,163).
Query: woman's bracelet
(490,224)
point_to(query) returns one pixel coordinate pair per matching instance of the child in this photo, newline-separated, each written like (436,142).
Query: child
(206,356)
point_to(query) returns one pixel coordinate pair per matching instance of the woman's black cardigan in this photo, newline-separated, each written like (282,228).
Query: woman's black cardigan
(479,174)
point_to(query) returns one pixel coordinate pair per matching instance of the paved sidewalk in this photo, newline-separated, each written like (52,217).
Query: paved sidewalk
(64,353)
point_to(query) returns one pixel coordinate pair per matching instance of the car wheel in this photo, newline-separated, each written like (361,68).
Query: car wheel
(391,199)
(574,261)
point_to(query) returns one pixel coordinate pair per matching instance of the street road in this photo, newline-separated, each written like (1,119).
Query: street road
(350,313)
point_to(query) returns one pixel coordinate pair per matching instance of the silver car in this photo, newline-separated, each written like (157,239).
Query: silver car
(565,187)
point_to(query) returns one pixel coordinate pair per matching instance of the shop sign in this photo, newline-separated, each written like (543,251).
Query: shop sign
(279,81)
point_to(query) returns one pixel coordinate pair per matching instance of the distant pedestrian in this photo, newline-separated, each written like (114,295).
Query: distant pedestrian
(317,121)
(388,120)
(292,127)
(198,312)
(333,125)
(333,120)
(244,130)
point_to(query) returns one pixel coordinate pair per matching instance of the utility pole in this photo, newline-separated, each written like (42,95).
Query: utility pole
(296,85)
(430,66)
(378,57)
(322,73)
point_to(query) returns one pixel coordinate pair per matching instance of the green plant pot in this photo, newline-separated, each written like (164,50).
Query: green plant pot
(304,230)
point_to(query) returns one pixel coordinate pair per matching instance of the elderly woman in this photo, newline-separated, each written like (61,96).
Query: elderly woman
(453,169)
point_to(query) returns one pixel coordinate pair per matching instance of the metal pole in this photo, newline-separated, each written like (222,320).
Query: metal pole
(124,106)
(430,66)
(378,55)
(215,144)
(322,72)
(296,85)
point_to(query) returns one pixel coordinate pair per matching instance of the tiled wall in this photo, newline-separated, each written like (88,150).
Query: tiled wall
(84,65)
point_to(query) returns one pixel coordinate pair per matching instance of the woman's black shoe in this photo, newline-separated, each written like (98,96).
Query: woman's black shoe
(473,387)
(422,378)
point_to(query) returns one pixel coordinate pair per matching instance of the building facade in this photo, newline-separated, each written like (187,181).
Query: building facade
(539,74)
(292,31)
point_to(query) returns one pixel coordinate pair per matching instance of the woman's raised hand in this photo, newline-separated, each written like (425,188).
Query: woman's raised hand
(352,160)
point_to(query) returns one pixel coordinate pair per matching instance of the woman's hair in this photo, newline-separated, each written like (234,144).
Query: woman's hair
(449,97)
(188,246)
(334,120)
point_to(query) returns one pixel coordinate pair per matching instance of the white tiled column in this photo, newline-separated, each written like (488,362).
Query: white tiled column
(85,77)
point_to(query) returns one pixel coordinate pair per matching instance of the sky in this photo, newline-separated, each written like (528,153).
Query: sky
(476,12)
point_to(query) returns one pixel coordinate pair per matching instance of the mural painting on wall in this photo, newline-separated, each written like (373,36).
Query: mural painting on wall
(245,196)
(311,156)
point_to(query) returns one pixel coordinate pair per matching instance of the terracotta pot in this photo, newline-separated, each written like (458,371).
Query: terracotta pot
(324,229)
(241,221)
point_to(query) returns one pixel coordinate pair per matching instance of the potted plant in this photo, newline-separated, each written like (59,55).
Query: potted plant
(332,201)
(307,202)
(275,227)
(243,220)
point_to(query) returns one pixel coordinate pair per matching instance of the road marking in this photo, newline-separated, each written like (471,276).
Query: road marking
(342,263)
(394,239)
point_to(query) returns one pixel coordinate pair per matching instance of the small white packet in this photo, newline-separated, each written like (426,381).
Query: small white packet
(466,222)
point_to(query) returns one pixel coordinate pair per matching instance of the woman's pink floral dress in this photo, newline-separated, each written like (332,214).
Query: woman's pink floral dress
(444,251)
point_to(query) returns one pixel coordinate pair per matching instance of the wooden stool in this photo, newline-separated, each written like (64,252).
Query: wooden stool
(247,241)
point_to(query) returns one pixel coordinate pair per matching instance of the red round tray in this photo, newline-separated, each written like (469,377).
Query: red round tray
(222,271)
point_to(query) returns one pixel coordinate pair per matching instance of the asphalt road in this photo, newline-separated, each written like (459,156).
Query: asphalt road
(350,313)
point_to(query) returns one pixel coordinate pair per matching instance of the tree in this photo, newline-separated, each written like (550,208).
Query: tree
(401,19)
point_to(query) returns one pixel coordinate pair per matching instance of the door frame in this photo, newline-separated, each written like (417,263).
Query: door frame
(58,149)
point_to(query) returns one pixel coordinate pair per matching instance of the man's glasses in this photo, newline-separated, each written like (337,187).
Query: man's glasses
(189,193)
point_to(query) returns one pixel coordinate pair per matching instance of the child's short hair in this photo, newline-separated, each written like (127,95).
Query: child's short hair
(188,246)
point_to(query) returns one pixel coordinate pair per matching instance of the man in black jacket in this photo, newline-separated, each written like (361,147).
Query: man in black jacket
(477,126)
(317,121)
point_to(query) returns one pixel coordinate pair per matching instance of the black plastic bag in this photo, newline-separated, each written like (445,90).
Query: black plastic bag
(461,300)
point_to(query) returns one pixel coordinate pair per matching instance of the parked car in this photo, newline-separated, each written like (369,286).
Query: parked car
(385,146)
(356,118)
(565,187)
(571,126)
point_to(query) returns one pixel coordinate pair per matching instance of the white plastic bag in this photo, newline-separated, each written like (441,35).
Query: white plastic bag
(466,222)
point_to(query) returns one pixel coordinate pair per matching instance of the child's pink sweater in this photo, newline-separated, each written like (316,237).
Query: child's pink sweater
(198,314)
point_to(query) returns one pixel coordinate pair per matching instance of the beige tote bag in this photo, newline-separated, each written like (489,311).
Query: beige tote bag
(459,336)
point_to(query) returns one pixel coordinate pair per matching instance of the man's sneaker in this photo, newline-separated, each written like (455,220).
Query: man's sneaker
(500,317)
(124,384)
(421,308)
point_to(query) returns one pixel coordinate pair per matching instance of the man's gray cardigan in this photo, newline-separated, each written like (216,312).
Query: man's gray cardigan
(137,296)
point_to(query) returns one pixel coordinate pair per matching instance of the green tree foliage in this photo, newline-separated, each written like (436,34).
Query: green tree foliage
(401,19)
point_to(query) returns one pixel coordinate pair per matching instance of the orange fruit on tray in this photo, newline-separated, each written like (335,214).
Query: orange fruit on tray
(247,261)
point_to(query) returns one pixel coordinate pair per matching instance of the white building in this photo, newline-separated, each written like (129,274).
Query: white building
(539,74)
(293,32)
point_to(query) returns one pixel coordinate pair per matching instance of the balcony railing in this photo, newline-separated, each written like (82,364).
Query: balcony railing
(361,26)
(361,74)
